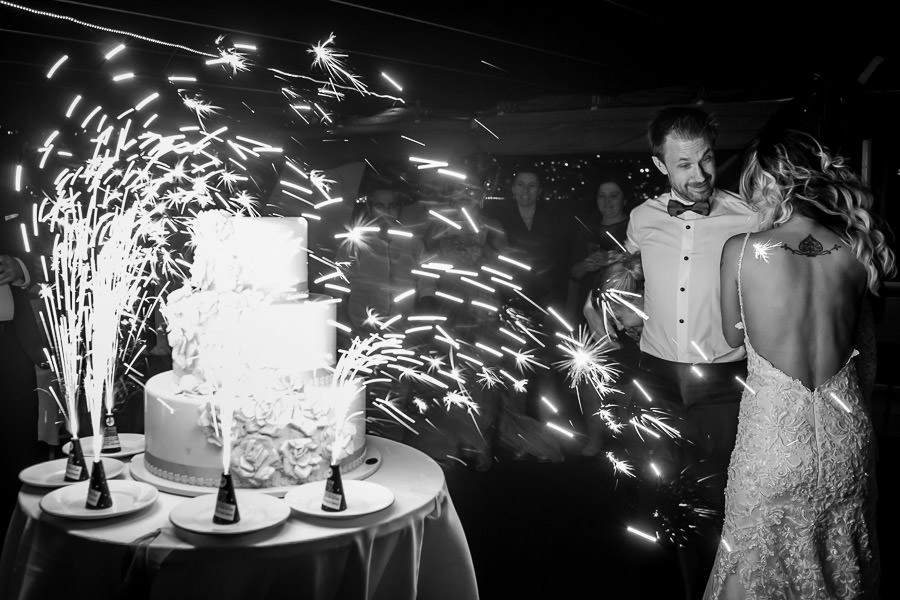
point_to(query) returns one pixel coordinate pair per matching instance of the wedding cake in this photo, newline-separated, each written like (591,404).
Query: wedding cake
(248,340)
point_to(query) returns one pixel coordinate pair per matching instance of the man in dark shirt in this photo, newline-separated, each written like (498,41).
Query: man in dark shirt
(540,236)
(20,351)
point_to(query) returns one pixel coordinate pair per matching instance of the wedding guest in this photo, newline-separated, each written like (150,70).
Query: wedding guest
(475,240)
(600,237)
(20,353)
(797,513)
(380,263)
(686,364)
(618,329)
(598,252)
(540,235)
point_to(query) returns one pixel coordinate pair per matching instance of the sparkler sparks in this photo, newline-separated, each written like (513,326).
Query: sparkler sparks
(639,533)
(560,319)
(761,250)
(561,430)
(453,224)
(550,405)
(469,219)
(333,64)
(744,383)
(620,466)
(451,173)
(699,350)
(392,82)
(143,103)
(485,127)
(618,243)
(109,55)
(839,402)
(514,262)
(230,58)
(427,163)
(587,362)
(57,65)
(173,174)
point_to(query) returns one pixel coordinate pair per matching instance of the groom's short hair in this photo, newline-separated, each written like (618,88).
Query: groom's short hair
(684,122)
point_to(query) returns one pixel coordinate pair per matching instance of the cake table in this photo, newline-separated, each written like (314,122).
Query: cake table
(415,548)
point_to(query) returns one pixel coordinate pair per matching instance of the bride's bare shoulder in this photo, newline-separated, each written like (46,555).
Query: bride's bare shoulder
(732,247)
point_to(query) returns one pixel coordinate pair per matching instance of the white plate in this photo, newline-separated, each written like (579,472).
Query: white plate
(52,473)
(138,469)
(132,443)
(128,497)
(363,498)
(258,511)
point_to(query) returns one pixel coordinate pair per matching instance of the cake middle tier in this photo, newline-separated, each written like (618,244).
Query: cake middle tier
(272,340)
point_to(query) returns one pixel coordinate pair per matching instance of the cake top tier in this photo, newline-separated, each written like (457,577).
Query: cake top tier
(267,254)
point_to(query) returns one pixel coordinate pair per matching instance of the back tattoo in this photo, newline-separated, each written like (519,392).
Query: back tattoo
(810,246)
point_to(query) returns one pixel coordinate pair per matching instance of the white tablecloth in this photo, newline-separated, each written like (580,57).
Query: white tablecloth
(416,548)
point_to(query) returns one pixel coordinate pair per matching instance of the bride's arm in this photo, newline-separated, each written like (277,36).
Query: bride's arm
(728,292)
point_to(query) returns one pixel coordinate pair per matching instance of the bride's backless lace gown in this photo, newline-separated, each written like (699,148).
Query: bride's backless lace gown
(796,499)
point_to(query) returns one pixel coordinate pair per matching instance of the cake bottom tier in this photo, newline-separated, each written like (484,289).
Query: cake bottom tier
(277,440)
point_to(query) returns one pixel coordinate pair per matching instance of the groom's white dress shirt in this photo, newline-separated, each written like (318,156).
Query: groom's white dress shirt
(680,256)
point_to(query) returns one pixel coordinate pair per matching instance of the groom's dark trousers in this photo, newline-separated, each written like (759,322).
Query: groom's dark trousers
(704,401)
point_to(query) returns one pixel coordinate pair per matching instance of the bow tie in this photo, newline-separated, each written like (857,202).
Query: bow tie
(675,207)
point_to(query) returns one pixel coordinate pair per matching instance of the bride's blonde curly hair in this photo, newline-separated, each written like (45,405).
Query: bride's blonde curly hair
(790,172)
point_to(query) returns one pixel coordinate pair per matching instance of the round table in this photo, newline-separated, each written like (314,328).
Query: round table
(415,548)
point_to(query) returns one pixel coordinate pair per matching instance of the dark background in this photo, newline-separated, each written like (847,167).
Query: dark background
(834,70)
(536,530)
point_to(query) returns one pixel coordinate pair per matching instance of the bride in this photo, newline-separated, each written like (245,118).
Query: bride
(797,515)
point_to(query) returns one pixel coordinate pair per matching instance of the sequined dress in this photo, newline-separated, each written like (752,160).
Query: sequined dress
(797,498)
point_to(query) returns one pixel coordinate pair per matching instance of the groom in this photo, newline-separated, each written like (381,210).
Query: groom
(686,366)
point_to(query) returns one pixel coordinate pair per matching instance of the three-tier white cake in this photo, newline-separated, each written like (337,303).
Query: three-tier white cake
(246,334)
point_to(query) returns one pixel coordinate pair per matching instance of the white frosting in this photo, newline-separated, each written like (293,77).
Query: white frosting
(285,437)
(245,324)
(267,254)
(267,341)
(246,313)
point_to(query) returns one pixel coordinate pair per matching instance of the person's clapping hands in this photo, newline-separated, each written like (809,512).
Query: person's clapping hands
(602,258)
(10,270)
(594,261)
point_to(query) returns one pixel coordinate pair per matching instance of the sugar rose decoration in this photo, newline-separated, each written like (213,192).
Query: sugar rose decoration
(277,440)
(254,460)
(299,458)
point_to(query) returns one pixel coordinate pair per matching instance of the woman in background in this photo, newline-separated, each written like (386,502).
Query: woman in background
(600,266)
(599,239)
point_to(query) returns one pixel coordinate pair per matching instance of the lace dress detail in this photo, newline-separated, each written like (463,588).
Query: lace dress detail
(796,499)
